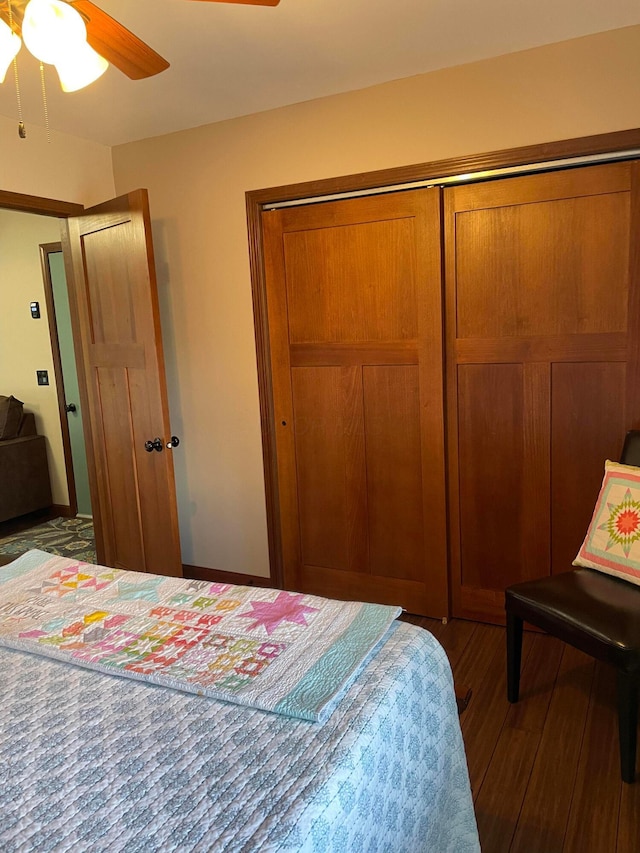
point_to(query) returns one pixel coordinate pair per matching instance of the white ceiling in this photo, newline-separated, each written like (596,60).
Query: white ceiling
(228,61)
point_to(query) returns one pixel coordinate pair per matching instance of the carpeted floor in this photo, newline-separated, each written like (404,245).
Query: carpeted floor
(66,537)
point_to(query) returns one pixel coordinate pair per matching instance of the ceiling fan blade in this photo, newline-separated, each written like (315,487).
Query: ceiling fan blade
(117,44)
(16,16)
(246,2)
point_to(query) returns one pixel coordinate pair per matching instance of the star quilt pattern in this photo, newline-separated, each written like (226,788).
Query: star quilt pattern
(274,650)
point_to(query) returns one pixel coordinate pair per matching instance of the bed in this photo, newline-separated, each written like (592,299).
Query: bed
(91,760)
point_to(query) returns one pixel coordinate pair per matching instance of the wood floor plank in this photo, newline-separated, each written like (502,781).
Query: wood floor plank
(629,820)
(537,681)
(545,810)
(501,795)
(500,798)
(593,819)
(455,636)
(484,662)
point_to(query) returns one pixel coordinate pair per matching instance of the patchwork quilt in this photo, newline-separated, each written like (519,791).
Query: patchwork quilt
(277,651)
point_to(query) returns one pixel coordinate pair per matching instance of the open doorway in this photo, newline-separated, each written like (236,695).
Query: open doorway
(115,315)
(62,349)
(26,361)
(34,304)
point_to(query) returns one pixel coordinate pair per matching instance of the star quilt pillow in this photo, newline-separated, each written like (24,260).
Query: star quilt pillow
(612,543)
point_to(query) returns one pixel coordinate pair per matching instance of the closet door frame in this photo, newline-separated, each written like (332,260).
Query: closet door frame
(511,158)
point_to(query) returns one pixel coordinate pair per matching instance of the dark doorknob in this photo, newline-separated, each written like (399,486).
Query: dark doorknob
(70,407)
(174,442)
(156,444)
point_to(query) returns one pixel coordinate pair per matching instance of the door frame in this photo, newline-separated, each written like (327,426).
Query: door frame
(62,210)
(47,249)
(256,200)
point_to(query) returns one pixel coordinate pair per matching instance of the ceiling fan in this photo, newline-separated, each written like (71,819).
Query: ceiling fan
(108,37)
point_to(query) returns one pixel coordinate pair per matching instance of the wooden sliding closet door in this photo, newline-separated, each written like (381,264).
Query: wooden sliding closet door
(542,368)
(355,331)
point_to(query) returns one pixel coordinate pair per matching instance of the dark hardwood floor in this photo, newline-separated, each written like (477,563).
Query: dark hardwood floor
(545,772)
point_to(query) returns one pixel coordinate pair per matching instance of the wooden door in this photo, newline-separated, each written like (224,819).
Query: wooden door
(542,368)
(355,330)
(115,307)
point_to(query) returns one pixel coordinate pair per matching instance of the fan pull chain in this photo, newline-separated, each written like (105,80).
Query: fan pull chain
(44,102)
(21,128)
(22,132)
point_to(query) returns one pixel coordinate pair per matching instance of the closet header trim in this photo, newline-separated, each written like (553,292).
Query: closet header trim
(453,180)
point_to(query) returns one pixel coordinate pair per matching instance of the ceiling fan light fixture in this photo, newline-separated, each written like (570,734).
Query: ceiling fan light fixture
(50,28)
(55,33)
(10,44)
(80,68)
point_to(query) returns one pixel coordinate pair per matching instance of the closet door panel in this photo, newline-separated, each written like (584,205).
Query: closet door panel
(538,292)
(394,479)
(582,395)
(354,298)
(556,267)
(491,453)
(379,302)
(503,471)
(323,411)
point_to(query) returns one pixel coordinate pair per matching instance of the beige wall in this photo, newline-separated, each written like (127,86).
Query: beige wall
(25,345)
(197,180)
(65,169)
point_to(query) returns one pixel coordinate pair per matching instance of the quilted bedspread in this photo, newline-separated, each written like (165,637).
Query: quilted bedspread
(270,649)
(89,761)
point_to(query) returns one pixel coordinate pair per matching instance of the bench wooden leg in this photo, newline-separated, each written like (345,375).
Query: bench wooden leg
(514,655)
(627,724)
